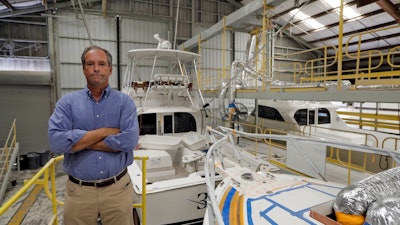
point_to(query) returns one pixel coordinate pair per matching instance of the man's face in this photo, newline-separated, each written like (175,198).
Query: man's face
(96,69)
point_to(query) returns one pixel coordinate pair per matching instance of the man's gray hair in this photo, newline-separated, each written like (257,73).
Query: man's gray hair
(83,56)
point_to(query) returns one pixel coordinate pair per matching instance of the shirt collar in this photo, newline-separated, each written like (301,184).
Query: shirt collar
(106,92)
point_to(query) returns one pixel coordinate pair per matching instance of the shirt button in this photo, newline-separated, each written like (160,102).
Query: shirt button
(101,172)
(97,116)
(100,157)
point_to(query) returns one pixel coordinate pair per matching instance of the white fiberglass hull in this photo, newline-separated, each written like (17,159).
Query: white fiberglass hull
(175,206)
(179,200)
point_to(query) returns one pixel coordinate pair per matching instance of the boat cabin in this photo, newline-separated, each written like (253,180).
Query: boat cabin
(293,115)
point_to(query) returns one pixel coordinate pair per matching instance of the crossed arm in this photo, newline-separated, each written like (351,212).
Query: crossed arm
(94,140)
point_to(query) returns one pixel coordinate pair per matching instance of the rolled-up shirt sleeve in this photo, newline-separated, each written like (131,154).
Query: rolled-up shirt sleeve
(60,133)
(128,137)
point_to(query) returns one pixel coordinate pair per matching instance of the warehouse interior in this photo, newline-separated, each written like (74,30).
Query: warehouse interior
(344,51)
(46,39)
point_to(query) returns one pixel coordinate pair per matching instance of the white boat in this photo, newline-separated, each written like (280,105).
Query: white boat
(318,120)
(294,117)
(263,195)
(163,84)
(312,118)
(171,135)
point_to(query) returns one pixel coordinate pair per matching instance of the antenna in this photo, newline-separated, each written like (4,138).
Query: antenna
(176,23)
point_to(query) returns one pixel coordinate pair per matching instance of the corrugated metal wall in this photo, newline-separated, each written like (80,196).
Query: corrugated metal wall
(25,96)
(139,21)
(73,38)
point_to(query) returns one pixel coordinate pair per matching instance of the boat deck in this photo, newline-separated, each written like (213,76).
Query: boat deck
(180,172)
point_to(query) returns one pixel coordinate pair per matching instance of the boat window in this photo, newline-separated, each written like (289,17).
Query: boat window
(167,124)
(324,116)
(268,113)
(184,122)
(311,116)
(148,124)
(301,116)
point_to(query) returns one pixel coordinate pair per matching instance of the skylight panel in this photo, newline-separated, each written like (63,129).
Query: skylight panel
(308,20)
(348,12)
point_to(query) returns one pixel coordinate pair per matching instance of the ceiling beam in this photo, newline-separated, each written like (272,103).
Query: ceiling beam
(361,3)
(104,7)
(6,3)
(243,17)
(235,3)
(390,8)
(41,8)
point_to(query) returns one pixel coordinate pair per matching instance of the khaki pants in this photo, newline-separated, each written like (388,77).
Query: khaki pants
(84,204)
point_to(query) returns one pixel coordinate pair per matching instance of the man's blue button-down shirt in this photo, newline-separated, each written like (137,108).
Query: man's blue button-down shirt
(78,112)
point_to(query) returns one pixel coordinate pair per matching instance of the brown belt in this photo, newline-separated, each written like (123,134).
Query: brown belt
(103,183)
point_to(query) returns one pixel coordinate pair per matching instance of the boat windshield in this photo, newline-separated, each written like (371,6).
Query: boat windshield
(178,122)
(268,113)
(307,116)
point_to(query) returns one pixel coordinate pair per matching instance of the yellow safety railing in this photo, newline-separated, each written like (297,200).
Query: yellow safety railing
(311,130)
(8,146)
(143,204)
(48,170)
(7,154)
(377,121)
(394,145)
(341,157)
(317,67)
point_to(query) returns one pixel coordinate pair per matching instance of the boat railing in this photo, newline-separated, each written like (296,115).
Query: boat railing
(393,141)
(339,152)
(365,138)
(213,211)
(8,154)
(336,155)
(368,139)
(258,129)
(48,171)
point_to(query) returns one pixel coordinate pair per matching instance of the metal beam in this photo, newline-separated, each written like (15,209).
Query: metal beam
(235,3)
(361,3)
(6,3)
(240,15)
(104,7)
(387,96)
(41,8)
(245,17)
(390,8)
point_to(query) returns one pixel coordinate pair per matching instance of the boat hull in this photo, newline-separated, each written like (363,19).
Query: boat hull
(176,206)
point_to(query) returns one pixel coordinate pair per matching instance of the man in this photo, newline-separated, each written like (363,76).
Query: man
(96,129)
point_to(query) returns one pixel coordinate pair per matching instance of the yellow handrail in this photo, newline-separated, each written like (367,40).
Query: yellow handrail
(301,67)
(385,121)
(5,156)
(49,167)
(333,154)
(143,205)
